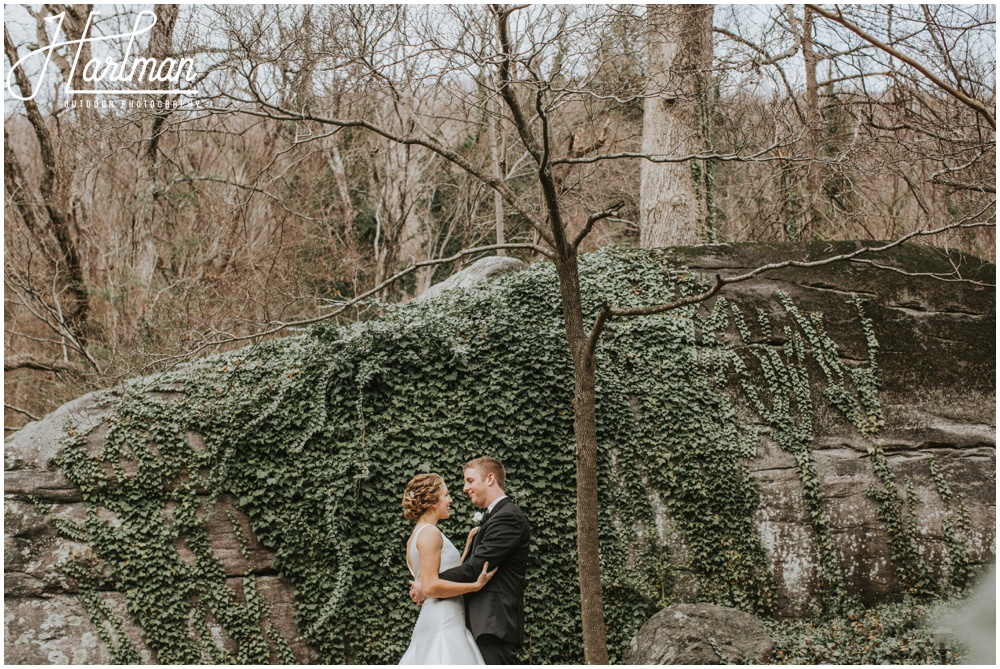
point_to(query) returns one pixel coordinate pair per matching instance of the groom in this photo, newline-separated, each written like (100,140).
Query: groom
(495,614)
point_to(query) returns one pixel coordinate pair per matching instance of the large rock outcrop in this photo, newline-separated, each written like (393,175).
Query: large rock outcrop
(936,370)
(937,366)
(46,621)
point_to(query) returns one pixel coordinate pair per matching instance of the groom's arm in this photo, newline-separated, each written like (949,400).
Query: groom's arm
(496,542)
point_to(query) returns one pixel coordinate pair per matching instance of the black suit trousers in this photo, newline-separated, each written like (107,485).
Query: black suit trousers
(497,651)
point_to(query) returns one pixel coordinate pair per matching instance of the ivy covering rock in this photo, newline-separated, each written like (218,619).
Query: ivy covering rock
(299,448)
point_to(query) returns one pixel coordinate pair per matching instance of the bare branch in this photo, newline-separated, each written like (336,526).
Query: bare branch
(278,326)
(838,17)
(948,278)
(607,311)
(26,361)
(768,58)
(964,225)
(506,84)
(20,411)
(961,185)
(760,155)
(594,218)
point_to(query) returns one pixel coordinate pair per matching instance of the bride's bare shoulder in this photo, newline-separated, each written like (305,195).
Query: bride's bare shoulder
(427,540)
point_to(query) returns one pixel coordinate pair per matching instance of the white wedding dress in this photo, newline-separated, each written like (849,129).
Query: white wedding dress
(440,635)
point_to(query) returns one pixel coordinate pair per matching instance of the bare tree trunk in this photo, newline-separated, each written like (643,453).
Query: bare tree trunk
(500,172)
(595,645)
(147,252)
(336,164)
(680,62)
(814,125)
(809,56)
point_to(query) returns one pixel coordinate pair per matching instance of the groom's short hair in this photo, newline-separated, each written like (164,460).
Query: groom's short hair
(487,466)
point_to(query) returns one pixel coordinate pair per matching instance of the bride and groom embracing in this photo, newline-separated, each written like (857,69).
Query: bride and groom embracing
(488,626)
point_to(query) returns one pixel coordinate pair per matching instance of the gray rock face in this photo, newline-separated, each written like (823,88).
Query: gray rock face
(700,634)
(937,366)
(53,630)
(475,273)
(45,620)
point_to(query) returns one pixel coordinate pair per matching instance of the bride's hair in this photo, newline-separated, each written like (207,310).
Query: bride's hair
(422,492)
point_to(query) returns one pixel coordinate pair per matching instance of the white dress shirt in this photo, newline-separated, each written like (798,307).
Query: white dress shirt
(489,509)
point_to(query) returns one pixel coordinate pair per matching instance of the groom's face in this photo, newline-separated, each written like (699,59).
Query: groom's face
(476,487)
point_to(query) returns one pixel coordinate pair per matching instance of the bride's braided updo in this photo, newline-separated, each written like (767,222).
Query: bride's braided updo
(422,492)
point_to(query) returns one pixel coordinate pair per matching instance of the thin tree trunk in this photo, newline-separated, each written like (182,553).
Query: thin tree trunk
(813,214)
(809,56)
(595,645)
(500,172)
(160,47)
(336,164)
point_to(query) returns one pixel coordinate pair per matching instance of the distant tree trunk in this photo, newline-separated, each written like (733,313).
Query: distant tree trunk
(336,164)
(500,172)
(810,60)
(803,184)
(678,84)
(400,233)
(160,47)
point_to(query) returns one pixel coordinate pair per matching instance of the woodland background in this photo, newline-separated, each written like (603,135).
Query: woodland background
(136,240)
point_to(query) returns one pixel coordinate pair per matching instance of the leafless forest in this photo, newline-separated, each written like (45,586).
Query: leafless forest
(331,147)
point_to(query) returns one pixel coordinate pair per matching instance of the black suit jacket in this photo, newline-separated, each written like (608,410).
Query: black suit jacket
(498,608)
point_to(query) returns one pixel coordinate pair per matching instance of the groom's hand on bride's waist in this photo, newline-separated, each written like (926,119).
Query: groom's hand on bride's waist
(416,594)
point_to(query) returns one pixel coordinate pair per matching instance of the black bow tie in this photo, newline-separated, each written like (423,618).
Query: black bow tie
(486,516)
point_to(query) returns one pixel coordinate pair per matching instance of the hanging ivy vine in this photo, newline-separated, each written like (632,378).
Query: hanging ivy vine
(316,435)
(956,529)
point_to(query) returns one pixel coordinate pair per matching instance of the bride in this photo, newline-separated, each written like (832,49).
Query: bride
(440,635)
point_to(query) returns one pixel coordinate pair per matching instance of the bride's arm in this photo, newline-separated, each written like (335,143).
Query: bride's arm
(468,543)
(429,548)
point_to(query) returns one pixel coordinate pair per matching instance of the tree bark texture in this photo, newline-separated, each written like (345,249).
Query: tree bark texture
(160,46)
(679,44)
(595,645)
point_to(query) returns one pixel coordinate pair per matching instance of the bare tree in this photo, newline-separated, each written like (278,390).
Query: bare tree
(49,224)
